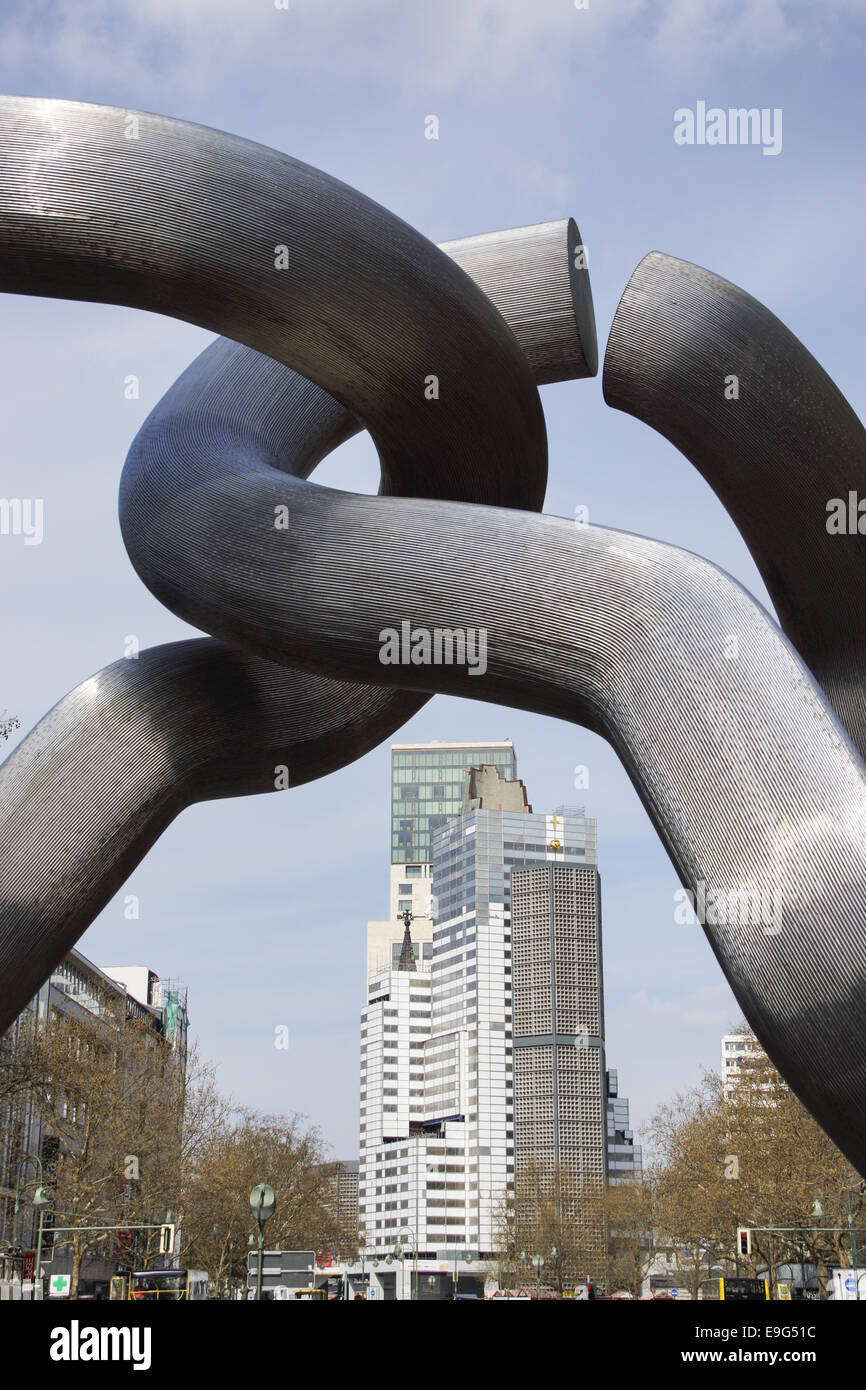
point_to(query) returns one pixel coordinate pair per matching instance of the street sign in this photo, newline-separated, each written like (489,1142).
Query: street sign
(58,1285)
(675,1293)
(286,1269)
(848,1283)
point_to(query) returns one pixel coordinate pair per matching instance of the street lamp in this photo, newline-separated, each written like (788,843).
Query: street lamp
(818,1212)
(538,1262)
(818,1215)
(468,1259)
(362,1257)
(263,1203)
(41,1201)
(861,1188)
(414,1238)
(396,1255)
(22,1162)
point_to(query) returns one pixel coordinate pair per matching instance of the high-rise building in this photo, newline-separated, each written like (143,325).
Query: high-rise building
(468,1066)
(460,1151)
(392,1176)
(346,1207)
(448,1039)
(427,790)
(624,1156)
(443,1083)
(559,1012)
(559,1064)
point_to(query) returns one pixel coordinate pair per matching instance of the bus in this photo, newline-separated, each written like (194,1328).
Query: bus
(169,1284)
(740,1290)
(308,1295)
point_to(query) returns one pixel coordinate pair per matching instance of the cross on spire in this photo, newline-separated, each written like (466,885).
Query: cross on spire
(407,953)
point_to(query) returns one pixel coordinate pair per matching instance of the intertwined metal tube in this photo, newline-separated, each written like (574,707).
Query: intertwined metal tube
(751,781)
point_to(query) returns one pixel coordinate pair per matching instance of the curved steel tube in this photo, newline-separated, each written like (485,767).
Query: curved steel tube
(775,453)
(79,200)
(285,259)
(743,767)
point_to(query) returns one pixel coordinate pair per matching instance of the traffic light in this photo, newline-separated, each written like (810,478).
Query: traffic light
(166,1240)
(590,1289)
(744,1240)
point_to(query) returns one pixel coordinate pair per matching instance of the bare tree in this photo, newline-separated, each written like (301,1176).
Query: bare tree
(132,1131)
(227,1163)
(748,1154)
(555,1214)
(8,722)
(109,1095)
(631,1213)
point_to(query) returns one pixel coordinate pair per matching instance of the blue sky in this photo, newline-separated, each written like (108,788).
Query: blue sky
(544,111)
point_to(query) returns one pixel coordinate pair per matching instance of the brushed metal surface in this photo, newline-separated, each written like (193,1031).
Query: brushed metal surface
(541,288)
(83,211)
(747,774)
(775,456)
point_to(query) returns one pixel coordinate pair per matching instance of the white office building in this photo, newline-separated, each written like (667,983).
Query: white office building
(449,1120)
(742,1054)
(436,1088)
(437,1124)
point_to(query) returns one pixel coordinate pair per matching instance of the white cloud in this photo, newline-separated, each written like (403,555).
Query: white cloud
(485,45)
(690,30)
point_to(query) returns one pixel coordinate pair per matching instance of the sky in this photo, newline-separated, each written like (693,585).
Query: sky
(545,110)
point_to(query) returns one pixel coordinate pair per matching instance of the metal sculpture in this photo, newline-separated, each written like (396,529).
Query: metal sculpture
(753,784)
(724,380)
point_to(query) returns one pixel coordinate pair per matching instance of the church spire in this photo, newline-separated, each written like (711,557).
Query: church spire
(407,954)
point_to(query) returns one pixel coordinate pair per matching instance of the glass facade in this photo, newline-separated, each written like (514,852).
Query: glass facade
(474,858)
(469,1055)
(427,792)
(624,1156)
